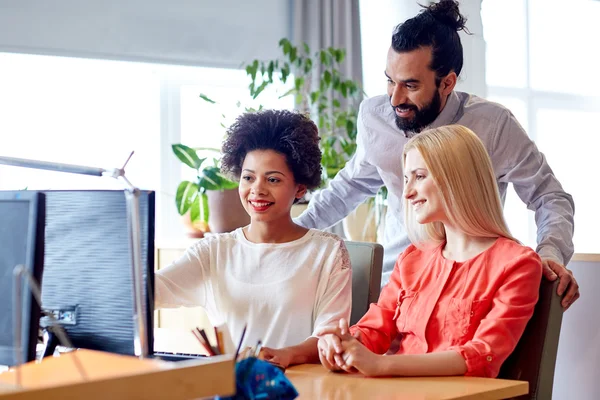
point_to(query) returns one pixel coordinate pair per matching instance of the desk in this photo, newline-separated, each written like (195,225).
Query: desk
(315,382)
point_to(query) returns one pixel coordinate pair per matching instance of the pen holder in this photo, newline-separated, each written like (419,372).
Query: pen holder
(259,379)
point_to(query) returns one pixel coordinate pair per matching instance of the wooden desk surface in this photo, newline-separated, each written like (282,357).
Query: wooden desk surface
(315,382)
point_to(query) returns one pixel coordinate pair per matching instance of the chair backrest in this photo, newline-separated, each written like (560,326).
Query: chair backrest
(534,358)
(367,261)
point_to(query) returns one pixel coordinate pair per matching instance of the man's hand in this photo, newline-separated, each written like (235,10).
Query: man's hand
(568,285)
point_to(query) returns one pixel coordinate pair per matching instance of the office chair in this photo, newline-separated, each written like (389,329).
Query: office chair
(534,358)
(367,262)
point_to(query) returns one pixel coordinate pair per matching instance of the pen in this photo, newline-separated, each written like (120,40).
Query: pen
(240,343)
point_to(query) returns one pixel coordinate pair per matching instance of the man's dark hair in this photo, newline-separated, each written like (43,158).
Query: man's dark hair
(436,26)
(289,133)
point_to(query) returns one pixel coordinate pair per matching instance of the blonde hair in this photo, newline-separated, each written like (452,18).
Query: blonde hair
(462,171)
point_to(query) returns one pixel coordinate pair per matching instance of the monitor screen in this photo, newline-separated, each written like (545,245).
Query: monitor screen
(21,243)
(88,277)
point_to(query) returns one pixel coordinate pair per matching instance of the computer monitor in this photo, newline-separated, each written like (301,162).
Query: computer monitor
(88,276)
(21,243)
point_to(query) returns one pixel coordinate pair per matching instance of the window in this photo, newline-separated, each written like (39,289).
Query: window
(543,70)
(95,112)
(77,111)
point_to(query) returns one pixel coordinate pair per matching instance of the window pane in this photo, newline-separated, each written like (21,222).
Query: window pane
(78,111)
(506,50)
(562,45)
(204,124)
(520,220)
(377,22)
(570,143)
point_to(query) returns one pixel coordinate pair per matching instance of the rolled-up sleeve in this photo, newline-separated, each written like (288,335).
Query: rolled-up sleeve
(502,327)
(357,181)
(517,160)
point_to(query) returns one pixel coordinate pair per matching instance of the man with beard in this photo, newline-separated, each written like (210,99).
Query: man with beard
(423,65)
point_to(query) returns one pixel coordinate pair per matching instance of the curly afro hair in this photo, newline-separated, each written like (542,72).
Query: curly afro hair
(289,133)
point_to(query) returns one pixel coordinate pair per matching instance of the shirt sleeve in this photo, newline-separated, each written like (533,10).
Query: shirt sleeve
(518,161)
(377,328)
(502,327)
(183,283)
(336,301)
(358,180)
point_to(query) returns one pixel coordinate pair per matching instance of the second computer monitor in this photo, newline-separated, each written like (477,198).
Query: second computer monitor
(87,281)
(21,244)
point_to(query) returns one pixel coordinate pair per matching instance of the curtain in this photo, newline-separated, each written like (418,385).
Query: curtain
(325,23)
(330,23)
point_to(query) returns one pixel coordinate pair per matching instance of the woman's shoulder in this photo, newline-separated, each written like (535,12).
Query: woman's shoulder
(323,237)
(413,251)
(211,240)
(505,246)
(510,252)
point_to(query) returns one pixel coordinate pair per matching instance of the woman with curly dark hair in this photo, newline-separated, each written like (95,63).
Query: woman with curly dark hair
(284,281)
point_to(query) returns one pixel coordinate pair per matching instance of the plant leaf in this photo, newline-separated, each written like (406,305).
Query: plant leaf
(314,96)
(204,211)
(207,99)
(298,83)
(195,210)
(293,53)
(187,155)
(327,77)
(259,89)
(199,209)
(210,180)
(286,45)
(186,194)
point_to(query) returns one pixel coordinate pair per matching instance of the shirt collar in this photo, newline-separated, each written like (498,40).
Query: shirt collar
(448,114)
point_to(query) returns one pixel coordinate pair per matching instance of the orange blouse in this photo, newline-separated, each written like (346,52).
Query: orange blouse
(478,308)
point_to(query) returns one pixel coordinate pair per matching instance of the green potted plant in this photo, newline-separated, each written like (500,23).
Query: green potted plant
(319,89)
(211,200)
(332,101)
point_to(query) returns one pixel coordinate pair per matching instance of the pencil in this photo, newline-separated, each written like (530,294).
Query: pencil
(219,339)
(203,343)
(258,348)
(240,343)
(203,334)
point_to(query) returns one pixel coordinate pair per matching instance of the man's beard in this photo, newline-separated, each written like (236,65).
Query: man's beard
(422,117)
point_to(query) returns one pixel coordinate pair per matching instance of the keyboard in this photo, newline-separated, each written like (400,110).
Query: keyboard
(167,356)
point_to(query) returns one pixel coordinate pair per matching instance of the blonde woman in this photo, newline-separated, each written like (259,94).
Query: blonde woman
(463,292)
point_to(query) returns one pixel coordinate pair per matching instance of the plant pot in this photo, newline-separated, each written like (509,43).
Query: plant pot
(226,212)
(193,229)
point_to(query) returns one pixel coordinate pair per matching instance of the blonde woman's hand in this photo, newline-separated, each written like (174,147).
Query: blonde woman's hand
(356,357)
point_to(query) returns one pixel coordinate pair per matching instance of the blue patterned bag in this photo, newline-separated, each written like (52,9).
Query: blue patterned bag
(258,379)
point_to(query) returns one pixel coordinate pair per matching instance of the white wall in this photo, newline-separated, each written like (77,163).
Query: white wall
(577,374)
(221,33)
